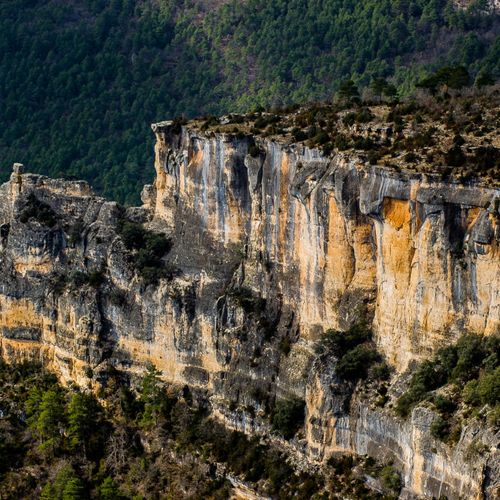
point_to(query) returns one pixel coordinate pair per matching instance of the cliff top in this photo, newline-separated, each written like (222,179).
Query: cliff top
(455,136)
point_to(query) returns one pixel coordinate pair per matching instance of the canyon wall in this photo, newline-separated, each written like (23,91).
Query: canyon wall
(421,254)
(270,249)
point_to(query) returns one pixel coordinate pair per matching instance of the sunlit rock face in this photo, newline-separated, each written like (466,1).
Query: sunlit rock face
(270,249)
(339,238)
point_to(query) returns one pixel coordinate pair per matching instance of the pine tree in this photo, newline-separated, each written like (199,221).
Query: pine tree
(73,490)
(109,490)
(51,414)
(150,396)
(348,92)
(48,492)
(83,417)
(378,85)
(49,423)
(32,406)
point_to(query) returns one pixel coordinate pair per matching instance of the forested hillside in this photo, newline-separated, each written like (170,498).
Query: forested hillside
(81,80)
(158,441)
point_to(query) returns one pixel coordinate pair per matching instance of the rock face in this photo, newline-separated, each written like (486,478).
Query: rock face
(270,249)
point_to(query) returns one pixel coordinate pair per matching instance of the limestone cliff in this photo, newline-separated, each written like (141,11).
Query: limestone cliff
(272,244)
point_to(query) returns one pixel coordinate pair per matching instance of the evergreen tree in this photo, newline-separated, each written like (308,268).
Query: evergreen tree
(151,395)
(32,406)
(83,422)
(348,92)
(50,421)
(483,79)
(378,86)
(66,485)
(109,490)
(74,490)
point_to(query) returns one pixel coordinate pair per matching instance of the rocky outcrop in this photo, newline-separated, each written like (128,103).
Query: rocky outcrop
(269,250)
(336,236)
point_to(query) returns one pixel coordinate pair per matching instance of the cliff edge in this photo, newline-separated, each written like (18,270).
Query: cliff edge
(265,245)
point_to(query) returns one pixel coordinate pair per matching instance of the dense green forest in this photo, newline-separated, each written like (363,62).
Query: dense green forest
(157,441)
(81,80)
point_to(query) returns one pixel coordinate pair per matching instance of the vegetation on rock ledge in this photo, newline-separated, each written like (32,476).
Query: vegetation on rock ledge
(460,381)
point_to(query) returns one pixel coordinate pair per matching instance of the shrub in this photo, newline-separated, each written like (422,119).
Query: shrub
(299,135)
(354,364)
(177,124)
(341,142)
(405,403)
(494,416)
(470,350)
(38,210)
(444,405)
(381,371)
(488,387)
(349,119)
(57,283)
(426,378)
(469,393)
(365,143)
(81,278)
(374,157)
(321,138)
(364,116)
(341,465)
(339,343)
(411,157)
(447,358)
(391,479)
(148,250)
(250,301)
(133,235)
(288,416)
(424,139)
(440,429)
(455,157)
(486,157)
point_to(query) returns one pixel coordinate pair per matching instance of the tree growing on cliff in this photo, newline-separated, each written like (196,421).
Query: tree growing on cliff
(152,396)
(288,416)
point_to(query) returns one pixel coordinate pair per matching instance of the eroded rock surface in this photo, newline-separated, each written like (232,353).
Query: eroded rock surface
(269,250)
